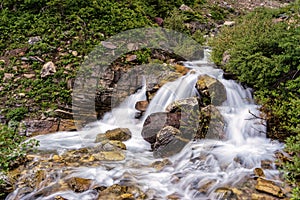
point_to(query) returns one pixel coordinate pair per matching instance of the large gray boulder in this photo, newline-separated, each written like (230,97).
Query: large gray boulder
(211,89)
(168,142)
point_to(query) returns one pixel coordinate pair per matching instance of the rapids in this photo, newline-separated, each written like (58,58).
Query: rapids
(199,163)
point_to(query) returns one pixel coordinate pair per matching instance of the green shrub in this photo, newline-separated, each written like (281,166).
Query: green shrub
(292,168)
(13,150)
(17,114)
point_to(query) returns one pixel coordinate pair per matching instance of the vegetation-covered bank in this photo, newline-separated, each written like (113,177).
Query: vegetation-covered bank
(263,51)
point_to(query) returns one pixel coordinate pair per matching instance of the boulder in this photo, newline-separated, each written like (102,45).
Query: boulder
(211,88)
(188,104)
(215,125)
(120,134)
(193,121)
(79,184)
(269,187)
(156,121)
(183,121)
(168,142)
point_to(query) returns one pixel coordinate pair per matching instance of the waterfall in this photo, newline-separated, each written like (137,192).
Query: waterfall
(214,162)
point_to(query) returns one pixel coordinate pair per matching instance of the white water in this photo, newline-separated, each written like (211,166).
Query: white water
(199,163)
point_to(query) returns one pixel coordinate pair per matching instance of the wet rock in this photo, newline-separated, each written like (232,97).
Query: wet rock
(212,89)
(215,125)
(229,76)
(189,105)
(166,77)
(118,144)
(141,105)
(118,192)
(109,156)
(206,186)
(35,39)
(181,69)
(105,152)
(259,172)
(48,69)
(79,184)
(192,120)
(227,193)
(159,165)
(67,125)
(267,164)
(168,142)
(156,121)
(185,121)
(59,198)
(174,196)
(56,158)
(121,134)
(269,187)
(255,196)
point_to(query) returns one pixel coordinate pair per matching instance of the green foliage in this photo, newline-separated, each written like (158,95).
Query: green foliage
(13,149)
(17,114)
(176,21)
(293,168)
(264,52)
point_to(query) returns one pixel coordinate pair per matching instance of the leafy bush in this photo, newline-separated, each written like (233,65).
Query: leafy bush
(17,114)
(13,149)
(264,49)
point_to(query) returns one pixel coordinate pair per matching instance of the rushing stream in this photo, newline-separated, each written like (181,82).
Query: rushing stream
(245,141)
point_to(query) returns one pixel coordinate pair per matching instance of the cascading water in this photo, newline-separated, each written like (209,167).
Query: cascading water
(203,162)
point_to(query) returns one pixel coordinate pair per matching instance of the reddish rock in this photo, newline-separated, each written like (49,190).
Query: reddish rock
(159,20)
